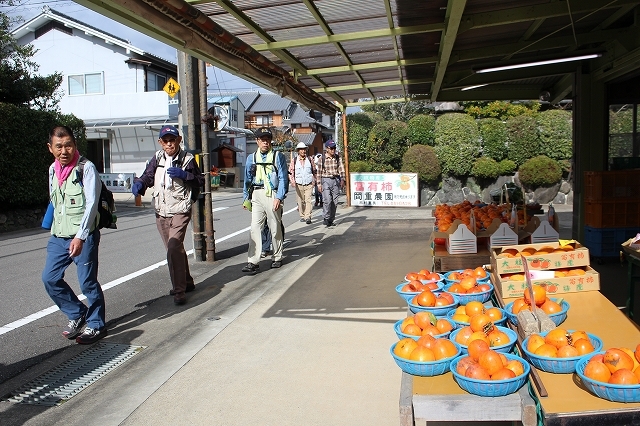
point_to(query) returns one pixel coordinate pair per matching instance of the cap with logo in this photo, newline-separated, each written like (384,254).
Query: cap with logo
(301,145)
(168,130)
(330,144)
(263,131)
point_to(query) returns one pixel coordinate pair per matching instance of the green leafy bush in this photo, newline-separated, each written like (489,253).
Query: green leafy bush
(500,109)
(358,127)
(422,159)
(457,143)
(522,139)
(421,129)
(507,167)
(486,168)
(387,143)
(540,171)
(359,167)
(494,138)
(554,130)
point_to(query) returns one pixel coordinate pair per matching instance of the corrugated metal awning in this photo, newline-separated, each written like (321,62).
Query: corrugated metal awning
(131,122)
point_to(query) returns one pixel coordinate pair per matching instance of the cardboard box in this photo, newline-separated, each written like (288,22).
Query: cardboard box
(544,233)
(632,246)
(503,236)
(459,238)
(574,284)
(555,260)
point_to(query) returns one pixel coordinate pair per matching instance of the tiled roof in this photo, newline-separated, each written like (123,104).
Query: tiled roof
(307,138)
(270,103)
(248,98)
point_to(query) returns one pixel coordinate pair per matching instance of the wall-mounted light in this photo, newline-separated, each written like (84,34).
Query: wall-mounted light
(539,63)
(473,87)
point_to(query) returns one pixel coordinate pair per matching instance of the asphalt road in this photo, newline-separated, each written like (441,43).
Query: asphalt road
(132,271)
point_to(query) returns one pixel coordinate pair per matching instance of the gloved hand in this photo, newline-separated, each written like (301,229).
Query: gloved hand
(136,188)
(176,172)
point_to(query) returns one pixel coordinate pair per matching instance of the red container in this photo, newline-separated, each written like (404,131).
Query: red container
(612,214)
(616,185)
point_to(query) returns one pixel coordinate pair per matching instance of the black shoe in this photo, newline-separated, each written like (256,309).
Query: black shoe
(308,221)
(179,299)
(302,219)
(190,288)
(276,264)
(329,224)
(74,327)
(90,335)
(325,222)
(251,268)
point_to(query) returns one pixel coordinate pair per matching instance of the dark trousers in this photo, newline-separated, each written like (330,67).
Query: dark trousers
(172,231)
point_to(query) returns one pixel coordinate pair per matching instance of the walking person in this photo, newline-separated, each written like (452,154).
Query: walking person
(266,182)
(75,237)
(331,171)
(303,171)
(175,179)
(317,194)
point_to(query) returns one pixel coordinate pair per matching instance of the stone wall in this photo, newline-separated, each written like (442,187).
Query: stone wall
(15,220)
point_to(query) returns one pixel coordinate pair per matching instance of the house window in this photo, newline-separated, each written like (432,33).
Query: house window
(234,115)
(155,82)
(624,136)
(86,84)
(263,120)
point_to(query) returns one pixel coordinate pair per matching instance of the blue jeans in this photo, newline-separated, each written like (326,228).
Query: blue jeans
(58,260)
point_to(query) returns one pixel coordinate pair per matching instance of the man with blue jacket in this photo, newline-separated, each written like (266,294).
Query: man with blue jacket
(266,183)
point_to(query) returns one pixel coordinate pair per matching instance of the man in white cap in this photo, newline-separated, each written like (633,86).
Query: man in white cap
(303,177)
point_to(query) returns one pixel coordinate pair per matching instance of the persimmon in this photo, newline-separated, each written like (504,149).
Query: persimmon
(422,354)
(503,374)
(480,273)
(480,322)
(483,287)
(409,288)
(457,288)
(539,294)
(424,272)
(465,363)
(534,342)
(510,252)
(631,355)
(597,371)
(444,299)
(557,337)
(637,352)
(468,272)
(567,351)
(433,276)
(444,348)
(579,334)
(615,360)
(517,277)
(550,307)
(443,325)
(623,376)
(478,335)
(498,338)
(404,347)
(426,298)
(460,318)
(583,346)
(422,277)
(494,313)
(547,350)
(430,329)
(637,372)
(412,330)
(476,371)
(474,307)
(468,283)
(412,276)
(426,340)
(476,348)
(423,319)
(518,305)
(576,272)
(490,360)
(515,366)
(407,320)
(455,276)
(462,336)
(431,286)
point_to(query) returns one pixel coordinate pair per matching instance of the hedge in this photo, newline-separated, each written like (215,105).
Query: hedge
(554,130)
(422,129)
(494,138)
(387,144)
(540,171)
(457,143)
(522,139)
(422,159)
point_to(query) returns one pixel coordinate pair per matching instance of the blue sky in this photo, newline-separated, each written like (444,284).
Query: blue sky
(219,81)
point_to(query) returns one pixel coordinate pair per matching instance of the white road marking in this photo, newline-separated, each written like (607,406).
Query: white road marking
(43,313)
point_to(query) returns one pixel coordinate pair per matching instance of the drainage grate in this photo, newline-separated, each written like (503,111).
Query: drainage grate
(65,381)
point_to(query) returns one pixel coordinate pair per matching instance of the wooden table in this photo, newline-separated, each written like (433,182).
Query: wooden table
(427,399)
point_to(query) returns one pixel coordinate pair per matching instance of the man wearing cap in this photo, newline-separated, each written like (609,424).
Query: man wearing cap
(332,179)
(266,183)
(303,171)
(175,179)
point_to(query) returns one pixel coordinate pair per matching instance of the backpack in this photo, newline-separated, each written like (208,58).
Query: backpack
(106,204)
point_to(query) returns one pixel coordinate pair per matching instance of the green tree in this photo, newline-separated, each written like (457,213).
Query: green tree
(400,111)
(18,83)
(422,129)
(621,131)
(386,146)
(494,138)
(522,139)
(554,130)
(358,127)
(500,109)
(457,143)
(422,159)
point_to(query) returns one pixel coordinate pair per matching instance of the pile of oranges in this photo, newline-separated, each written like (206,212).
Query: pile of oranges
(559,343)
(484,363)
(619,366)
(422,275)
(466,312)
(429,299)
(425,323)
(481,327)
(541,300)
(425,349)
(446,214)
(467,281)
(532,251)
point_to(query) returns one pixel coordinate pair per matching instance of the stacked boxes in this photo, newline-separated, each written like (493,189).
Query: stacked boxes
(559,269)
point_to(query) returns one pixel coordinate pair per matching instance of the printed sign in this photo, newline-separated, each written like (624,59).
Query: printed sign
(118,182)
(171,87)
(384,189)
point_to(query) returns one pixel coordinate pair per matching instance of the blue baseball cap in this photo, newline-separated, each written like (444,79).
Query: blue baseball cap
(168,130)
(330,144)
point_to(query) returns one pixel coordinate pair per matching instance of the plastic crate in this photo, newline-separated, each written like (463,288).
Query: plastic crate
(612,214)
(605,242)
(621,185)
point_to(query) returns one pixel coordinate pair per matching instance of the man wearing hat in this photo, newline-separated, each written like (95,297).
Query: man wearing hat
(174,176)
(303,172)
(332,179)
(266,182)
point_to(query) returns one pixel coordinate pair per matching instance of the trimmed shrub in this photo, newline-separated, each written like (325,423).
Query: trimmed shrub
(421,129)
(387,144)
(522,139)
(507,167)
(486,168)
(422,159)
(359,167)
(494,138)
(358,127)
(554,130)
(540,171)
(457,143)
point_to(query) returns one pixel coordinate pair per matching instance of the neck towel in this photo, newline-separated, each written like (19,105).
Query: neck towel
(63,172)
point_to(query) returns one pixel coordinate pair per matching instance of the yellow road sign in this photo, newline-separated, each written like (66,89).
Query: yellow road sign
(171,87)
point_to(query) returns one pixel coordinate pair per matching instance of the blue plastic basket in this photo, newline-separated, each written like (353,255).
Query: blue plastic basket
(478,297)
(450,281)
(491,388)
(408,295)
(559,365)
(513,337)
(615,393)
(557,318)
(460,324)
(439,311)
(402,335)
(426,369)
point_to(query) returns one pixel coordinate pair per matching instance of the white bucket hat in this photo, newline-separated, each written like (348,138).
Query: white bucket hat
(301,145)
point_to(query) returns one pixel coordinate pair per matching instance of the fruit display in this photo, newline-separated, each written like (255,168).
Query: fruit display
(556,308)
(423,275)
(428,356)
(438,303)
(423,323)
(461,315)
(613,374)
(491,374)
(559,350)
(484,213)
(500,339)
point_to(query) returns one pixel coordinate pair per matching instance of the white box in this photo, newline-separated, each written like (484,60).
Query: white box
(462,241)
(503,236)
(545,233)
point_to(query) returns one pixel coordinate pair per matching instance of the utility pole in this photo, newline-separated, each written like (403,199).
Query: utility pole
(206,165)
